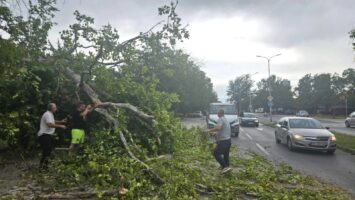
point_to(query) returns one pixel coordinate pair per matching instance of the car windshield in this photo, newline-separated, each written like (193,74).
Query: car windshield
(249,115)
(228,109)
(305,123)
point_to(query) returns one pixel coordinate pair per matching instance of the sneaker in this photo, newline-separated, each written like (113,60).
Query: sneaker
(225,170)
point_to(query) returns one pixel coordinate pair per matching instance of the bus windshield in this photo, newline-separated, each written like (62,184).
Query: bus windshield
(228,109)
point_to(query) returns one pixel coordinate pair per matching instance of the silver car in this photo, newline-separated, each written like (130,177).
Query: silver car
(350,121)
(302,113)
(304,133)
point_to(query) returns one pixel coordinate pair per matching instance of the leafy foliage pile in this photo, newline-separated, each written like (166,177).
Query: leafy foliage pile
(190,172)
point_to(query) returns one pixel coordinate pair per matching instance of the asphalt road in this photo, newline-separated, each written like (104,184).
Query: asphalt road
(337,125)
(338,169)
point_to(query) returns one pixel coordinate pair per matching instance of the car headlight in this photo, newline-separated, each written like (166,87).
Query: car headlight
(333,138)
(235,122)
(298,137)
(256,121)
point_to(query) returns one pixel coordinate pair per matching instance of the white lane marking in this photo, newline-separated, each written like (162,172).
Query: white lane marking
(248,136)
(262,149)
(260,129)
(242,129)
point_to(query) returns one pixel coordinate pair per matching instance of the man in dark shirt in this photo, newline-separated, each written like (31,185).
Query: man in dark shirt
(79,124)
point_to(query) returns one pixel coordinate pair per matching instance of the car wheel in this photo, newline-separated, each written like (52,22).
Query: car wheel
(289,144)
(331,151)
(278,141)
(257,125)
(236,134)
(347,124)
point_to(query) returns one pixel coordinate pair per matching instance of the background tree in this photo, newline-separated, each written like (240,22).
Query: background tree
(281,91)
(238,92)
(178,73)
(352,36)
(304,93)
(324,95)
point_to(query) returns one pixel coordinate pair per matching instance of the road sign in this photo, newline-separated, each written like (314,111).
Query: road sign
(270,103)
(270,98)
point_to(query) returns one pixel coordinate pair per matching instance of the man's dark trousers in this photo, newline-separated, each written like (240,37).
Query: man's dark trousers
(222,148)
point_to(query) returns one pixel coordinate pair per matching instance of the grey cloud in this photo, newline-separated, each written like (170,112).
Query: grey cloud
(290,22)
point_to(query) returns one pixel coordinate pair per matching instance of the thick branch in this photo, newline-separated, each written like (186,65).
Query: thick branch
(141,35)
(112,63)
(128,107)
(76,79)
(94,97)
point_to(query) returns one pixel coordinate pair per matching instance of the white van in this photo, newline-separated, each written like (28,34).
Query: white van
(230,112)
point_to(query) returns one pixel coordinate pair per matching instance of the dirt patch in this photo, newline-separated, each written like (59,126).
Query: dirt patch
(13,170)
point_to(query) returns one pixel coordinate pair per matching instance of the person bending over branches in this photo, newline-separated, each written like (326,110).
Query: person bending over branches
(78,124)
(222,132)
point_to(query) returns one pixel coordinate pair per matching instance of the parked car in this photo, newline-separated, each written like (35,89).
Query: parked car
(304,133)
(350,121)
(230,113)
(259,110)
(195,114)
(289,112)
(249,119)
(302,113)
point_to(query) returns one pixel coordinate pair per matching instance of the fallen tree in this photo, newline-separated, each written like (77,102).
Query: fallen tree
(114,123)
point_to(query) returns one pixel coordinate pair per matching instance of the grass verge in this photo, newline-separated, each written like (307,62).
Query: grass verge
(345,142)
(329,116)
(270,124)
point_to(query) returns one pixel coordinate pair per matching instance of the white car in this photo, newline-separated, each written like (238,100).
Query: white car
(302,113)
(350,121)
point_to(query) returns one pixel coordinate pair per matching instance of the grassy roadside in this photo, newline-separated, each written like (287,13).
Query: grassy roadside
(344,142)
(328,116)
(270,124)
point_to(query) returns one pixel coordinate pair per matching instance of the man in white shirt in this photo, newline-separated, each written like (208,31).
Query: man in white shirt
(46,131)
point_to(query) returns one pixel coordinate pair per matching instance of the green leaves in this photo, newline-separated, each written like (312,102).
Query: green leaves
(352,36)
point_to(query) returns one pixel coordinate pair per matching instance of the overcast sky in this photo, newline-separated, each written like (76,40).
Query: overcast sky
(226,35)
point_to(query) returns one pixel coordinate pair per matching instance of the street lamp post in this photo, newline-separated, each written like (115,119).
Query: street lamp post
(250,106)
(270,98)
(250,95)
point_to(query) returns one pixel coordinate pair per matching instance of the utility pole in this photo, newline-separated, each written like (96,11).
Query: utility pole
(269,98)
